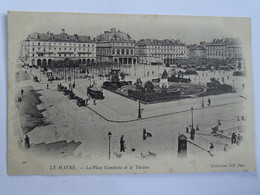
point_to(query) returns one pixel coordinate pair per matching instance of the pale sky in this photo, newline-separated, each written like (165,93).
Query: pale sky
(186,28)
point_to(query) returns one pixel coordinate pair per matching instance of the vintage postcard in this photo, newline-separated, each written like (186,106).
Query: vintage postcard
(129,94)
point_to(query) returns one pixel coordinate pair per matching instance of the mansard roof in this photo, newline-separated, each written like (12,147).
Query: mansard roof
(62,37)
(225,42)
(156,42)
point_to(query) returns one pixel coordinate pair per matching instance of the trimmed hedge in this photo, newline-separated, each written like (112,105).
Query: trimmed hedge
(149,97)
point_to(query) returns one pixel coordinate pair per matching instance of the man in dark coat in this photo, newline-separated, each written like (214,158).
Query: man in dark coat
(192,133)
(209,101)
(22,92)
(27,142)
(233,138)
(144,134)
(122,144)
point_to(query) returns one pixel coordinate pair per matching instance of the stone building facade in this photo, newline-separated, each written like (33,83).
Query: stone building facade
(116,47)
(225,48)
(43,49)
(153,51)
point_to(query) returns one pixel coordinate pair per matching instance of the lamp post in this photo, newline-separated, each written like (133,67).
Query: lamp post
(139,109)
(202,103)
(109,137)
(192,117)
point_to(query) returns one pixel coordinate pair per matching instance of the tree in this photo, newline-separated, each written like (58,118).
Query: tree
(149,87)
(138,84)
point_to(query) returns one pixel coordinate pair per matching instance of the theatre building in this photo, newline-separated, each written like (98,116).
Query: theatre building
(116,46)
(42,49)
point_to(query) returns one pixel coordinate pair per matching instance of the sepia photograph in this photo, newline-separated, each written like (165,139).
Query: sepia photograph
(129,94)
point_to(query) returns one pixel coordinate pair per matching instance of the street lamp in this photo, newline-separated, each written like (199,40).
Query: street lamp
(109,137)
(192,117)
(139,109)
(202,103)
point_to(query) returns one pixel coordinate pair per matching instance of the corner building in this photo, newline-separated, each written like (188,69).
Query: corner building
(42,49)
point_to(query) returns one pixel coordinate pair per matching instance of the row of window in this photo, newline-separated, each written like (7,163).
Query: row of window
(167,47)
(119,44)
(118,51)
(62,55)
(62,44)
(64,49)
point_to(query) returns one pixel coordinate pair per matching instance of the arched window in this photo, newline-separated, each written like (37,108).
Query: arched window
(118,52)
(113,51)
(123,52)
(132,51)
(127,52)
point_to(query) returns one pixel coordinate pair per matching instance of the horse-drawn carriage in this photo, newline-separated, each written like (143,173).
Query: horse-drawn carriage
(61,87)
(66,91)
(81,102)
(71,95)
(35,78)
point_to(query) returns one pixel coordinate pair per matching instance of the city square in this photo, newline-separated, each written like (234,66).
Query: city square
(108,98)
(80,126)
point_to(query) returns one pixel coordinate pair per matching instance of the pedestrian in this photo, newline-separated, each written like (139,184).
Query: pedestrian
(243,85)
(122,144)
(86,101)
(233,138)
(47,86)
(27,142)
(192,133)
(94,101)
(209,101)
(22,92)
(211,146)
(187,129)
(144,134)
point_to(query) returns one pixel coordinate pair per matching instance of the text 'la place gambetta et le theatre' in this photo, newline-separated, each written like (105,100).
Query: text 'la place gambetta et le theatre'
(117,47)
